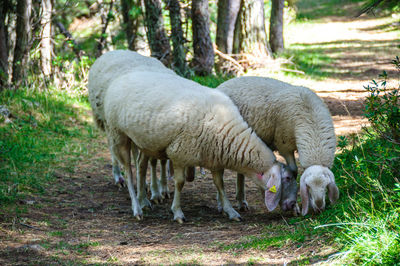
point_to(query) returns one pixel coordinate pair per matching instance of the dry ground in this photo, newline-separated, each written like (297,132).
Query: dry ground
(87,219)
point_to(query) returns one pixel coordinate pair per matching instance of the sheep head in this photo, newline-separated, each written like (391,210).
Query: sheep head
(271,183)
(289,190)
(314,182)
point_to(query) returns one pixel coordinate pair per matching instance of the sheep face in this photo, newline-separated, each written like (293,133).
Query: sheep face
(314,182)
(271,183)
(289,190)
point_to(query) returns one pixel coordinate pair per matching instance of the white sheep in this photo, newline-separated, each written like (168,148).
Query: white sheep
(167,116)
(289,118)
(108,67)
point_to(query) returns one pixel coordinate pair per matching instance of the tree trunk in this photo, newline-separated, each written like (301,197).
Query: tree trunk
(250,35)
(23,38)
(158,41)
(276,26)
(105,20)
(3,46)
(227,14)
(179,54)
(130,13)
(203,51)
(45,44)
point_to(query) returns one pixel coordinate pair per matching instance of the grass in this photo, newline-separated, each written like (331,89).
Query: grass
(211,81)
(49,129)
(310,10)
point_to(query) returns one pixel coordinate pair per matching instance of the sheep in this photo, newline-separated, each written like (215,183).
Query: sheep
(289,118)
(167,116)
(106,68)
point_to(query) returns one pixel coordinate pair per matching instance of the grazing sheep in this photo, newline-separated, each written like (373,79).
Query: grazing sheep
(167,116)
(107,68)
(289,118)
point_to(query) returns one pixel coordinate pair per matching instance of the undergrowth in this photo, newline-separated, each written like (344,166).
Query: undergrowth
(45,130)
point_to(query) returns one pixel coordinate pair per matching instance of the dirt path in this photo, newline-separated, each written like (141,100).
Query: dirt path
(360,50)
(87,219)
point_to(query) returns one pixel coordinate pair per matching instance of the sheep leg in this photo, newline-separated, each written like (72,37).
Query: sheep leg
(226,205)
(163,180)
(241,193)
(179,179)
(120,149)
(155,192)
(116,170)
(142,163)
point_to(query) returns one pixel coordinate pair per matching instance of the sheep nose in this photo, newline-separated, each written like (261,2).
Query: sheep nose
(319,203)
(289,205)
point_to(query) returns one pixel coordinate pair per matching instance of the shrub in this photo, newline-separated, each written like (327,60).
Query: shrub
(382,108)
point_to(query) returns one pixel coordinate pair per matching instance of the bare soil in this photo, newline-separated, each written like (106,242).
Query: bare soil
(86,219)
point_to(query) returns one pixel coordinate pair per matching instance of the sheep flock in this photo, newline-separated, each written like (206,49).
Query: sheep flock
(149,113)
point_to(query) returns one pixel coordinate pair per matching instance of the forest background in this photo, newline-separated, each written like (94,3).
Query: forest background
(57,201)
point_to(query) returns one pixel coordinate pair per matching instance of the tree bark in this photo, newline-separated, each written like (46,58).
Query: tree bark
(228,11)
(23,38)
(203,51)
(45,44)
(130,21)
(3,46)
(105,19)
(158,41)
(276,26)
(250,35)
(178,53)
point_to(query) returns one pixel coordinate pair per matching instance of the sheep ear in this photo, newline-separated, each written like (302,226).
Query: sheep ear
(333,191)
(273,192)
(304,197)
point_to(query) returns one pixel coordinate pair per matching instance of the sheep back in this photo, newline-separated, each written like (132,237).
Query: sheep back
(110,66)
(285,117)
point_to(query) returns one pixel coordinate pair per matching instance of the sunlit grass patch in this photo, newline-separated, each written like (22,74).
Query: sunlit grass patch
(273,236)
(310,61)
(44,129)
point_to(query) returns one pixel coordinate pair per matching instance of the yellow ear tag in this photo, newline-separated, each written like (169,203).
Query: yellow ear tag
(273,189)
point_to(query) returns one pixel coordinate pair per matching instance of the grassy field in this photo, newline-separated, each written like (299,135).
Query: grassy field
(58,204)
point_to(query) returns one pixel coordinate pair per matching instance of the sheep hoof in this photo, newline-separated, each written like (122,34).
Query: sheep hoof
(145,204)
(243,206)
(156,198)
(120,182)
(157,201)
(139,217)
(237,219)
(179,220)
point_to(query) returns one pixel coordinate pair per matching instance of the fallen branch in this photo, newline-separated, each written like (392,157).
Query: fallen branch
(230,59)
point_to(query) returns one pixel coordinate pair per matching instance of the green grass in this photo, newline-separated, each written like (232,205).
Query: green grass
(314,10)
(47,132)
(312,60)
(211,81)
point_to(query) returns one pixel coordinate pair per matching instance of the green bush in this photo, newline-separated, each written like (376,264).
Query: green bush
(367,172)
(383,108)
